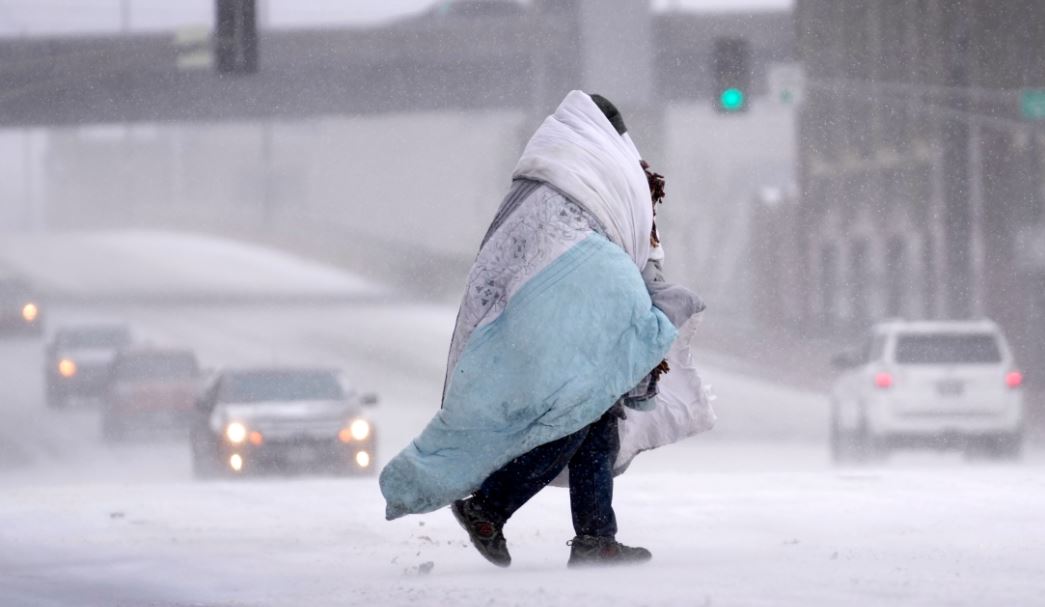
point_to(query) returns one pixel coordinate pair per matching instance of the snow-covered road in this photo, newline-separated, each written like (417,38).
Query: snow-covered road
(912,537)
(750,514)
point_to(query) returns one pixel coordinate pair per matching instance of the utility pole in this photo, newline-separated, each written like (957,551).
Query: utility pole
(264,14)
(266,141)
(267,201)
(236,36)
(125,16)
(961,287)
(27,180)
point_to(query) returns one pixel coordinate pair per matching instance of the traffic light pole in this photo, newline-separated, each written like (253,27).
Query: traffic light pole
(236,36)
(963,277)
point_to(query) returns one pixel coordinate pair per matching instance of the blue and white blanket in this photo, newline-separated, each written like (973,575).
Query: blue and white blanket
(556,322)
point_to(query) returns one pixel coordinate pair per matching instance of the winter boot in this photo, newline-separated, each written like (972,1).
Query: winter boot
(591,550)
(486,535)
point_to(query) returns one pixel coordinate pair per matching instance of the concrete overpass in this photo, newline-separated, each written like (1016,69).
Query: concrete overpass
(332,148)
(522,60)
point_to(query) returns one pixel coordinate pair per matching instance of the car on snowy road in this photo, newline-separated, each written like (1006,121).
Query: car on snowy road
(941,384)
(281,419)
(20,308)
(150,390)
(77,359)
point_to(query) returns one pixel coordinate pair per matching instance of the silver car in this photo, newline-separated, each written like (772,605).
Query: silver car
(281,419)
(928,383)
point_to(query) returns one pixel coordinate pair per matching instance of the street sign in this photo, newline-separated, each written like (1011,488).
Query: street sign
(786,83)
(1032,102)
(193,48)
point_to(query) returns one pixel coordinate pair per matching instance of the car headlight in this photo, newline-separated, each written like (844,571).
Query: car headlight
(30,312)
(236,433)
(67,367)
(360,429)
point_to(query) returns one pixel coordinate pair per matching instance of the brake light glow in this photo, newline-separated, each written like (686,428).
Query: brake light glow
(1013,379)
(883,380)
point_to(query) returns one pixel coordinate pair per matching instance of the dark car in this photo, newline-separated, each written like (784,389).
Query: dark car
(281,419)
(20,308)
(77,359)
(150,390)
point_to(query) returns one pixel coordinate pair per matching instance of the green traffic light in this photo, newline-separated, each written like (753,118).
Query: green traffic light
(732,99)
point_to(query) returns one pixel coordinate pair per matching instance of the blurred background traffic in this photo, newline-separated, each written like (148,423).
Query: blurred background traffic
(829,165)
(233,236)
(326,171)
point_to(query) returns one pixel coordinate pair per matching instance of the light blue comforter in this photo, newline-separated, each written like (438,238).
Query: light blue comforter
(577,335)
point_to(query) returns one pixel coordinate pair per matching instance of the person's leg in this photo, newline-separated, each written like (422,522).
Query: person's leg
(591,500)
(508,488)
(591,479)
(483,515)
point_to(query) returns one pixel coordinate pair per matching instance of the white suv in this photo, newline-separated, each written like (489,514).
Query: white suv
(932,383)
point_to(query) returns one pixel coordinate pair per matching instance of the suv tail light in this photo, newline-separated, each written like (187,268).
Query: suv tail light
(1013,379)
(883,380)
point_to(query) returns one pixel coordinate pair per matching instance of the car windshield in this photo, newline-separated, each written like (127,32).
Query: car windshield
(947,349)
(265,386)
(106,337)
(157,366)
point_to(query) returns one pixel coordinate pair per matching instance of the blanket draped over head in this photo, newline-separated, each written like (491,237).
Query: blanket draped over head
(556,322)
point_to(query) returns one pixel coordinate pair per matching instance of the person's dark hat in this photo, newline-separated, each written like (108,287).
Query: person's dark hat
(611,112)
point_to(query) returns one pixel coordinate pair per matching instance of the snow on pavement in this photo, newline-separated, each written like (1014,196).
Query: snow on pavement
(733,518)
(938,536)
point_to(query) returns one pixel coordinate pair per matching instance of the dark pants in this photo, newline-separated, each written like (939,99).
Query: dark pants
(589,453)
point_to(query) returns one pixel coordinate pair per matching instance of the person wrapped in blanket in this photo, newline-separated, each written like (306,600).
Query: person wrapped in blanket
(565,326)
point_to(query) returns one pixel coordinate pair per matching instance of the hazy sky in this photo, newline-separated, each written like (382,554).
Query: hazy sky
(29,17)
